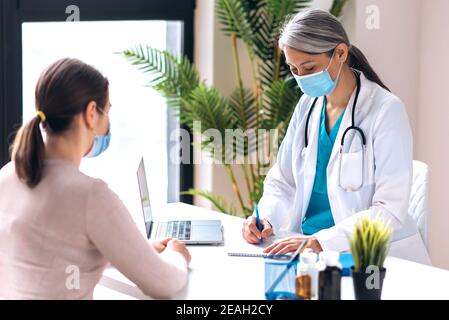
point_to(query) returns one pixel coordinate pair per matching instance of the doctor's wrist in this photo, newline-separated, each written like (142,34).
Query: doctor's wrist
(314,244)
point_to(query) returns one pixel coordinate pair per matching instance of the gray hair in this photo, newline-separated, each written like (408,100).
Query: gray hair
(316,31)
(313,31)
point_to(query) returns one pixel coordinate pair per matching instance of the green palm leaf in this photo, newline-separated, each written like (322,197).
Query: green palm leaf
(280,9)
(217,201)
(257,191)
(280,101)
(234,19)
(207,106)
(272,17)
(244,108)
(337,7)
(172,76)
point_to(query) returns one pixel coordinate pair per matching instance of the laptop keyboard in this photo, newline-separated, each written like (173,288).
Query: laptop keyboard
(178,229)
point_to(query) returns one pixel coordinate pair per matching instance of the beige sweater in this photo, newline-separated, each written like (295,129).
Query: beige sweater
(68,223)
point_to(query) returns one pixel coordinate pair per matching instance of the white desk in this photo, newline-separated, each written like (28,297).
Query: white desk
(216,276)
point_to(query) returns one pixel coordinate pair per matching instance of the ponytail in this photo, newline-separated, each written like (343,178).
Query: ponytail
(28,153)
(358,61)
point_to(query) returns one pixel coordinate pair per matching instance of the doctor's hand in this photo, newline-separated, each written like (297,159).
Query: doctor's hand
(291,244)
(160,244)
(252,235)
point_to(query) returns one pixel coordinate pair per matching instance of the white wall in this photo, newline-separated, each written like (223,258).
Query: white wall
(205,63)
(410,52)
(394,48)
(432,142)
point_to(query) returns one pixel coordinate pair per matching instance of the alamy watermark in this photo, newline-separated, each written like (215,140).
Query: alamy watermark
(372,21)
(373,281)
(74,13)
(228,146)
(72,281)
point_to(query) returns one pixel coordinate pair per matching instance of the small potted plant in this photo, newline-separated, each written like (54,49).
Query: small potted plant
(369,244)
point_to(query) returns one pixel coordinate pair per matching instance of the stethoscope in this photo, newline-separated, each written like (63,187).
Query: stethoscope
(353,127)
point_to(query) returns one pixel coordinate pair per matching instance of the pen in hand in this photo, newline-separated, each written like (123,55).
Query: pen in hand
(259,225)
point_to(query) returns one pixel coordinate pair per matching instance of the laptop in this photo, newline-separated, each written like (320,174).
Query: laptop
(188,231)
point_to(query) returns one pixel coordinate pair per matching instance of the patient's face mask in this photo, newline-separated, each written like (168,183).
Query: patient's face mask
(101,142)
(319,84)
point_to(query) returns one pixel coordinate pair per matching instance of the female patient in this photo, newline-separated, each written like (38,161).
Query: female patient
(56,221)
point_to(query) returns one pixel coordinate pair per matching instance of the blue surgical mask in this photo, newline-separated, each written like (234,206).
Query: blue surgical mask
(101,143)
(319,84)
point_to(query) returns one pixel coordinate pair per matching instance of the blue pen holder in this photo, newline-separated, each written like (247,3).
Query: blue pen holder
(275,266)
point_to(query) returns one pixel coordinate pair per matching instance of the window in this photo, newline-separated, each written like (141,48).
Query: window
(138,116)
(140,121)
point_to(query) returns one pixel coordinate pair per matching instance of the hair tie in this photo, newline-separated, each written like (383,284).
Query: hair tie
(42,116)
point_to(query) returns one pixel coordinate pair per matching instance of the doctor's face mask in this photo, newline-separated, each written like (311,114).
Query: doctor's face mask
(318,84)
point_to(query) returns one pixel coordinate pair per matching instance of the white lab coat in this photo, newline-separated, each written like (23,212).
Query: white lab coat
(387,173)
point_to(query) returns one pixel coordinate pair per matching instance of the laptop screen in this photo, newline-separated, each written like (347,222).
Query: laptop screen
(144,197)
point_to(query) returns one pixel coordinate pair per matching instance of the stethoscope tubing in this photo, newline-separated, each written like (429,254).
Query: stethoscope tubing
(352,127)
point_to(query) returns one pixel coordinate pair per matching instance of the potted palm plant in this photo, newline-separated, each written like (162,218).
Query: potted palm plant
(267,104)
(369,245)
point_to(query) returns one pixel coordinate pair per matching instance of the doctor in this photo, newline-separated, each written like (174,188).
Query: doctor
(348,148)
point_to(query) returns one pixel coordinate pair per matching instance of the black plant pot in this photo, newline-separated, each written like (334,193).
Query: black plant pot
(371,290)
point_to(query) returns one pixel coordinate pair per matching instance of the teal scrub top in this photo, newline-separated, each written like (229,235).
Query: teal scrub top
(319,215)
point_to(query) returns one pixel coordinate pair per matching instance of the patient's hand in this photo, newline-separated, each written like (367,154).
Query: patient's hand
(160,244)
(180,247)
(291,244)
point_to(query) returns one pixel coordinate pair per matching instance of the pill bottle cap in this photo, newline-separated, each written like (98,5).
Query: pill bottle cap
(309,257)
(303,269)
(331,258)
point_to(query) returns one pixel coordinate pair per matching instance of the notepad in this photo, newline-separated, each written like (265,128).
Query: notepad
(238,248)
(245,254)
(247,250)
